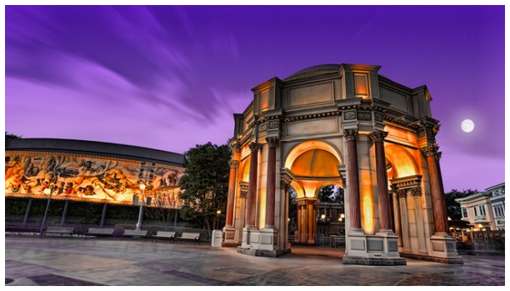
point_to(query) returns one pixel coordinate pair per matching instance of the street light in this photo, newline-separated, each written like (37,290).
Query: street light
(140,210)
(216,221)
(48,191)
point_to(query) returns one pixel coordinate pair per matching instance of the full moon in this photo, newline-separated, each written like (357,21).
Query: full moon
(467,125)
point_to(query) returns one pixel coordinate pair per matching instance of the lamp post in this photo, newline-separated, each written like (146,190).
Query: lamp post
(45,216)
(140,211)
(218,213)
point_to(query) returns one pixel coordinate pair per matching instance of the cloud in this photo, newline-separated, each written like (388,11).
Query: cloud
(134,43)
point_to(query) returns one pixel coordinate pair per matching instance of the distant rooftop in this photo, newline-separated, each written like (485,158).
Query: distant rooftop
(93,147)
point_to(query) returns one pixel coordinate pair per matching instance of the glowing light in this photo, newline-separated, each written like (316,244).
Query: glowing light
(342,215)
(467,125)
(142,186)
(323,216)
(218,212)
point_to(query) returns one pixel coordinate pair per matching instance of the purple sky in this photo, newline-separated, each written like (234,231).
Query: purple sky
(171,77)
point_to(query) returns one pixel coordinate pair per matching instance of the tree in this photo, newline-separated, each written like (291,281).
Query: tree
(331,193)
(204,184)
(452,207)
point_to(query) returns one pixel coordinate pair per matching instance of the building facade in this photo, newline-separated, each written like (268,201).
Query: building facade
(485,210)
(348,126)
(91,171)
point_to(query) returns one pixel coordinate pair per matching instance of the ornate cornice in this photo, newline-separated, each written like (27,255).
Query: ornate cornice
(312,116)
(286,176)
(254,146)
(378,135)
(272,140)
(406,183)
(431,150)
(350,134)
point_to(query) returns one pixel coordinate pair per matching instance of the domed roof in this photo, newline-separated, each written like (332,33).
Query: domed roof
(315,163)
(314,71)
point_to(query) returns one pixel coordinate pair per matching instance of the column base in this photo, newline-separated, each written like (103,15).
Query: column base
(259,243)
(229,239)
(444,249)
(379,249)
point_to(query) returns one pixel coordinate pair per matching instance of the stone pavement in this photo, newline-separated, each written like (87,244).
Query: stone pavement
(62,261)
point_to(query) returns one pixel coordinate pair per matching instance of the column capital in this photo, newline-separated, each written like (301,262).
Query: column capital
(272,140)
(350,134)
(254,146)
(431,150)
(378,136)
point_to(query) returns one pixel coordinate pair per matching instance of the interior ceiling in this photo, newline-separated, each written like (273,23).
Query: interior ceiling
(316,163)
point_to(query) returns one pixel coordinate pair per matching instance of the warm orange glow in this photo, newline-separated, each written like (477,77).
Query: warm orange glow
(367,202)
(90,178)
(401,135)
(402,161)
(316,163)
(262,208)
(245,170)
(310,145)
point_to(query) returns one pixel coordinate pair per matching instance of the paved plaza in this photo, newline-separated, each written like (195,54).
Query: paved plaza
(72,261)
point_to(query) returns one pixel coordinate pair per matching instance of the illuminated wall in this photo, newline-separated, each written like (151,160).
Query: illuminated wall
(90,178)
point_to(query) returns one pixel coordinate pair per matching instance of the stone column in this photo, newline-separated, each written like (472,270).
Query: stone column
(310,221)
(231,192)
(353,179)
(382,186)
(396,215)
(252,188)
(436,189)
(271,181)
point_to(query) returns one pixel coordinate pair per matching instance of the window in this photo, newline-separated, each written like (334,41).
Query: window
(464,212)
(476,210)
(482,210)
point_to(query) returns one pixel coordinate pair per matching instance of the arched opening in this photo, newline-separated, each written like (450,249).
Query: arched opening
(404,183)
(316,214)
(331,217)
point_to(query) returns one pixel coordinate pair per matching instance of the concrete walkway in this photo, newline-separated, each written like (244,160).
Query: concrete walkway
(56,261)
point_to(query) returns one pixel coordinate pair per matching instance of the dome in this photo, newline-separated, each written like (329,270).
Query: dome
(314,71)
(316,163)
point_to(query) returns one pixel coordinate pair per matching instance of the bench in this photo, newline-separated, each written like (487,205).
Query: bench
(194,236)
(97,231)
(135,233)
(60,230)
(165,234)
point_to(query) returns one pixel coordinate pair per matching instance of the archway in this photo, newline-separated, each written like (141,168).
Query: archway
(406,208)
(313,167)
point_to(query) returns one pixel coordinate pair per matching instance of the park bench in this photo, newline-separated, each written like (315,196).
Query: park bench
(97,231)
(135,233)
(60,230)
(165,234)
(194,236)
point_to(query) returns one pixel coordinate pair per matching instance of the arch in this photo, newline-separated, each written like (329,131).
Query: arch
(303,147)
(402,162)
(244,173)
